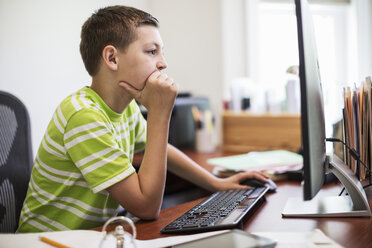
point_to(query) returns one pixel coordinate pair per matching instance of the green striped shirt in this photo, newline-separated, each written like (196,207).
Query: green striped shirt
(87,148)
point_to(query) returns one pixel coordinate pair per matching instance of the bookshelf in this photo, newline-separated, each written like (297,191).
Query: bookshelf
(245,131)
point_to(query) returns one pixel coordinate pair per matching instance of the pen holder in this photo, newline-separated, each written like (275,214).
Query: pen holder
(123,239)
(204,140)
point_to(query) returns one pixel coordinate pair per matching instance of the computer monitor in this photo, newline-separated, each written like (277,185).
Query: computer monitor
(312,110)
(316,162)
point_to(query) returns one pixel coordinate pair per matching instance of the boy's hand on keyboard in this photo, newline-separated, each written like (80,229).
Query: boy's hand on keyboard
(233,182)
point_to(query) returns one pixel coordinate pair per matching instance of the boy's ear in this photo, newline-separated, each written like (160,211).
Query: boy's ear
(109,55)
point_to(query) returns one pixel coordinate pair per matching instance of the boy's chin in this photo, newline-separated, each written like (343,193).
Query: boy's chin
(136,86)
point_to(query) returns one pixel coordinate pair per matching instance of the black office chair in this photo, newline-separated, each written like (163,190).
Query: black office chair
(15,159)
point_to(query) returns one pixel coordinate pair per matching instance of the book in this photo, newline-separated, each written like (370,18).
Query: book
(89,238)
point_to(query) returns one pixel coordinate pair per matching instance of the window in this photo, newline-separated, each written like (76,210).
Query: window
(272,46)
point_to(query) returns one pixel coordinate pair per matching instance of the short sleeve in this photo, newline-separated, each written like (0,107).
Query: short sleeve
(90,143)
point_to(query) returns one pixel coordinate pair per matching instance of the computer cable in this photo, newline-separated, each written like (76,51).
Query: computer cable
(356,156)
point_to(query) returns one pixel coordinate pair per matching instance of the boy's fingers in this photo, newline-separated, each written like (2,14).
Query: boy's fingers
(153,76)
(255,174)
(163,77)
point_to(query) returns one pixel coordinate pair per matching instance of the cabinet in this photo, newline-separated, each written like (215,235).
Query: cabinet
(244,132)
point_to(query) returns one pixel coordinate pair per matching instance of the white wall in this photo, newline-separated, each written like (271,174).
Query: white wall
(204,47)
(192,34)
(364,34)
(204,44)
(234,40)
(39,53)
(40,61)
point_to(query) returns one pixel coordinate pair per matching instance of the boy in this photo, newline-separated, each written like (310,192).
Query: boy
(83,169)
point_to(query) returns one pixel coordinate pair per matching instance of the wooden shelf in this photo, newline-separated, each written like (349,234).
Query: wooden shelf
(244,132)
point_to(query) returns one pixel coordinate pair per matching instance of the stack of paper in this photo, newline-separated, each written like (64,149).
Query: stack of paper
(275,162)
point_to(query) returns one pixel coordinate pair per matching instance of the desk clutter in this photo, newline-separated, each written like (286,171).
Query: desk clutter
(204,133)
(279,164)
(192,124)
(92,239)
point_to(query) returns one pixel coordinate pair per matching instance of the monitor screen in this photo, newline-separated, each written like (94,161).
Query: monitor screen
(312,111)
(316,163)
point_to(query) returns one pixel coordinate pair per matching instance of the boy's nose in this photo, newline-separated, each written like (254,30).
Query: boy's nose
(162,64)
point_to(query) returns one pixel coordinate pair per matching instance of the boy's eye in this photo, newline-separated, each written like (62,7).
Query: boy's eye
(152,52)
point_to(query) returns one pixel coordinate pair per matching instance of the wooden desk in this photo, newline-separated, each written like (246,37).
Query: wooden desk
(348,232)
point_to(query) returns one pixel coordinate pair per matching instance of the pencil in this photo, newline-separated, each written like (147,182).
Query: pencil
(52,242)
(195,113)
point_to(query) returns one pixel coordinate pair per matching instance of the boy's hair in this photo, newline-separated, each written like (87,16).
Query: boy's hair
(114,25)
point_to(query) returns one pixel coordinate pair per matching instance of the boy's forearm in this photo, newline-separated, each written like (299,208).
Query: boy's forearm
(152,173)
(144,191)
(141,194)
(184,167)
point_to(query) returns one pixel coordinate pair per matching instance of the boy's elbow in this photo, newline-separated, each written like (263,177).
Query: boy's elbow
(149,215)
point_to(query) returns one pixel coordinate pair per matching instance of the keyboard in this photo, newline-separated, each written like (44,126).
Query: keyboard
(221,210)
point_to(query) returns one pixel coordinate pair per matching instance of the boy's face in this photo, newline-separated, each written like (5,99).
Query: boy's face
(142,57)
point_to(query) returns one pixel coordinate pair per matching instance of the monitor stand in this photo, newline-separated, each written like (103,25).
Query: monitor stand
(353,205)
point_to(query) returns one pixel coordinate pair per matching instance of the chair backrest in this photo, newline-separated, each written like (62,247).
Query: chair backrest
(15,159)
